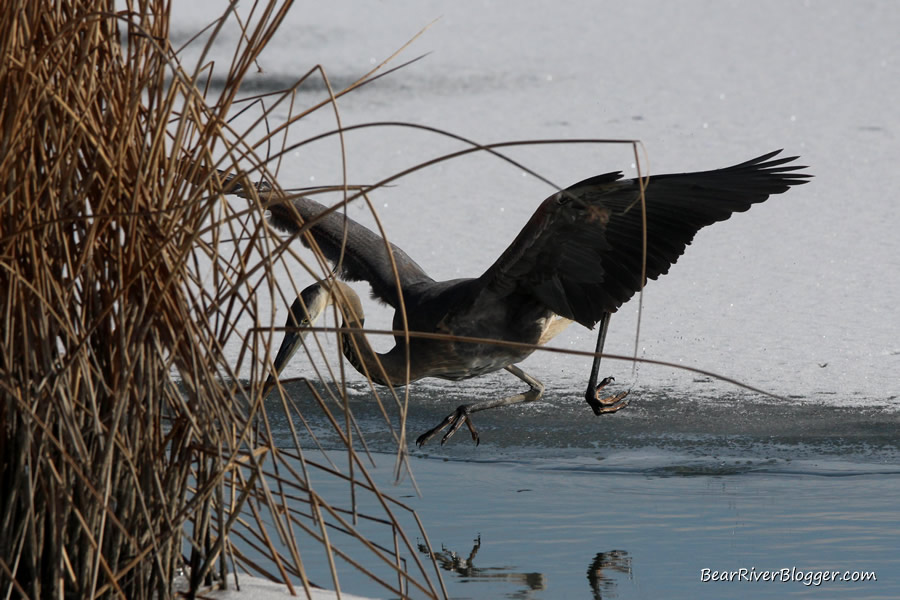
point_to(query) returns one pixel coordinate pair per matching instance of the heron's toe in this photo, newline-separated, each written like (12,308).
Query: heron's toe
(422,439)
(610,404)
(454,421)
(603,383)
(459,417)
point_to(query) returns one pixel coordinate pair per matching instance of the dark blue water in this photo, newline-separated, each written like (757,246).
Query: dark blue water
(557,503)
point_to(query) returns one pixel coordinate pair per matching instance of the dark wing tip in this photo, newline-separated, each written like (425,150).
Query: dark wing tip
(778,166)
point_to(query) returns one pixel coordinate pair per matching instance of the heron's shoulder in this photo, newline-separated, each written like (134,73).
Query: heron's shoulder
(450,291)
(575,198)
(597,181)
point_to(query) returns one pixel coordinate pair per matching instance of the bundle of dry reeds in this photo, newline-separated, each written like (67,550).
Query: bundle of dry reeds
(127,451)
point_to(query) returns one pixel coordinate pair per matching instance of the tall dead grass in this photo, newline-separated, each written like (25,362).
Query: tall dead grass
(128,453)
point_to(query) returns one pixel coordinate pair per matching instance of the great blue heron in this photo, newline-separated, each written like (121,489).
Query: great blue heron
(579,258)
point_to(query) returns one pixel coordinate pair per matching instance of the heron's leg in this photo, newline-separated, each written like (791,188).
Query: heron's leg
(462,415)
(609,404)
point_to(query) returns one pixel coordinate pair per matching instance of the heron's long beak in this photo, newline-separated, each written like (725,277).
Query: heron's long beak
(313,299)
(292,340)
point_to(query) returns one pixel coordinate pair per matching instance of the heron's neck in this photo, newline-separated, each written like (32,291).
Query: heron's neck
(386,369)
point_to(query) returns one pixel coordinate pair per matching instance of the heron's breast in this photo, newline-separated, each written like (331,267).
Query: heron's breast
(552,326)
(517,338)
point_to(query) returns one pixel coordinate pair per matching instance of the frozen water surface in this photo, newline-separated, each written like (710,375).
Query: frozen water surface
(809,278)
(798,296)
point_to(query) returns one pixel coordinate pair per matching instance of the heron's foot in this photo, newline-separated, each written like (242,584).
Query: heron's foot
(454,421)
(610,404)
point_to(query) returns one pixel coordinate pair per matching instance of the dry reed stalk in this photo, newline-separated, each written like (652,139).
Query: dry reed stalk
(123,440)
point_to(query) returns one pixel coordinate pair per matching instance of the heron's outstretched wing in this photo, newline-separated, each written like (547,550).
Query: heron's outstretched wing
(581,252)
(360,253)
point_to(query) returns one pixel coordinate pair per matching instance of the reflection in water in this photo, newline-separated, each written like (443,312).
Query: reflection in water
(601,572)
(465,567)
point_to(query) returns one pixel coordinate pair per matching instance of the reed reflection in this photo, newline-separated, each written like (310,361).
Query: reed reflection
(465,567)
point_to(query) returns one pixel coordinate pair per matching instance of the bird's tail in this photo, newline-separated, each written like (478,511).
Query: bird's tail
(239,184)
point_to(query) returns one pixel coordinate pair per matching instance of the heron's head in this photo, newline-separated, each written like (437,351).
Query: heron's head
(310,303)
(305,310)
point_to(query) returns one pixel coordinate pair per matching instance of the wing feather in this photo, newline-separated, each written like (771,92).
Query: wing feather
(363,254)
(580,254)
(360,253)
